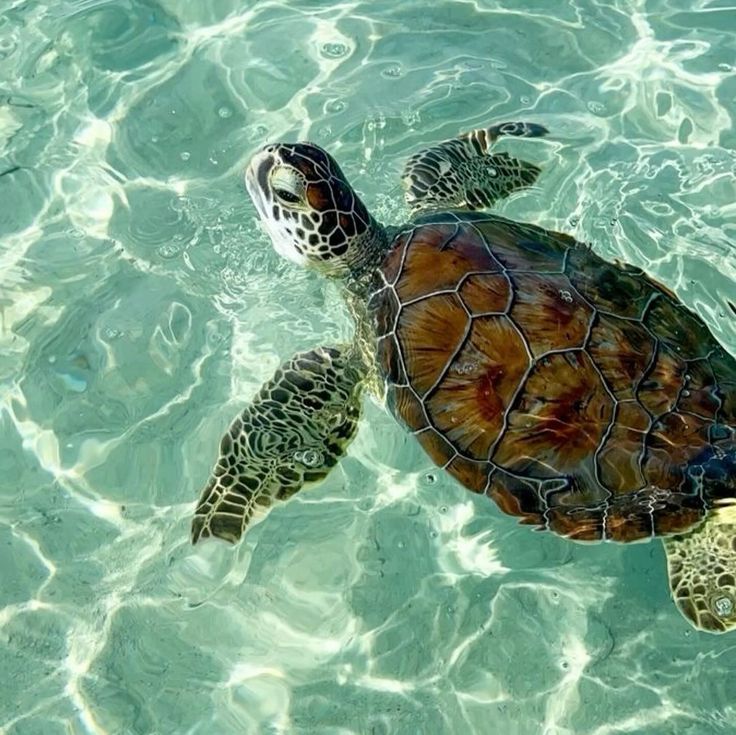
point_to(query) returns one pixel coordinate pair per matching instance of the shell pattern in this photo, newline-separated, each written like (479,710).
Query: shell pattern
(579,394)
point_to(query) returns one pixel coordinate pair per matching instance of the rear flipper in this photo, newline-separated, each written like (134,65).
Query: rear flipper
(461,173)
(702,572)
(293,433)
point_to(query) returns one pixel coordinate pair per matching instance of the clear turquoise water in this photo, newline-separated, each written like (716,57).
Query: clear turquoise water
(140,306)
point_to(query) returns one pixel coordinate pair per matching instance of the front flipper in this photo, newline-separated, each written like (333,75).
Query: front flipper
(461,173)
(295,430)
(702,572)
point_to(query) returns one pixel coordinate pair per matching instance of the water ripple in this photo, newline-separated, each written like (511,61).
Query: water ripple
(141,304)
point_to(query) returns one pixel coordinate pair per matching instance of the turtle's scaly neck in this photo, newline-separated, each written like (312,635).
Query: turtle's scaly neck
(367,255)
(362,281)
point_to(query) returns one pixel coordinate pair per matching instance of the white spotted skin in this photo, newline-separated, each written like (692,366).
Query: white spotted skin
(283,243)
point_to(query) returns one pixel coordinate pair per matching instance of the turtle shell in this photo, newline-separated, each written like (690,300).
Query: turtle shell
(580,395)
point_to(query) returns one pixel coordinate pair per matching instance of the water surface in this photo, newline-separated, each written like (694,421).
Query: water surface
(141,306)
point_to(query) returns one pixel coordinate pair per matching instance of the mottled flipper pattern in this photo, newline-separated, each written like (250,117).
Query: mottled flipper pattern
(293,433)
(461,173)
(702,572)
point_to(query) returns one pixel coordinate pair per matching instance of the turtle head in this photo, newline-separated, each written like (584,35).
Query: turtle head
(310,210)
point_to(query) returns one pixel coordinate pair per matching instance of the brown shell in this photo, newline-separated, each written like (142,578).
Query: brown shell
(578,394)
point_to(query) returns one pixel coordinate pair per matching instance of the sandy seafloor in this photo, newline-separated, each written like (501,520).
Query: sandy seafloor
(141,305)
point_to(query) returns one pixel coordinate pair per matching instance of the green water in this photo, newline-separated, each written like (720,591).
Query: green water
(141,306)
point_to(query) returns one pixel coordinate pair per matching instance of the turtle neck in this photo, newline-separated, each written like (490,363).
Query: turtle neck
(365,256)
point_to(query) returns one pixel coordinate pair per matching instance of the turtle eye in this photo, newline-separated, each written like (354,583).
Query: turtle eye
(287,185)
(286,196)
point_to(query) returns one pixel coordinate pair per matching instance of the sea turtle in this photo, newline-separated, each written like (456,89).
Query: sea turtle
(577,393)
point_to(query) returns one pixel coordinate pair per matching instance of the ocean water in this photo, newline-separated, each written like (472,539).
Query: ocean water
(141,306)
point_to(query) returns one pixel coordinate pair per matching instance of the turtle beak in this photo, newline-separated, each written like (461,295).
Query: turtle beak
(256,177)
